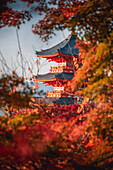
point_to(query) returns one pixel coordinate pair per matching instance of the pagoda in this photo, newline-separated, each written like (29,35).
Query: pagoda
(64,54)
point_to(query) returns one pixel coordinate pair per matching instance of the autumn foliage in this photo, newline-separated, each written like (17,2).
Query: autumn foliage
(38,136)
(11,17)
(32,138)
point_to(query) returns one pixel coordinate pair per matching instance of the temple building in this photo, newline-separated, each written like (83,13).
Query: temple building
(64,54)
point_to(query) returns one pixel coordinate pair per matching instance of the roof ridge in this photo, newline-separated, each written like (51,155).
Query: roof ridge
(64,41)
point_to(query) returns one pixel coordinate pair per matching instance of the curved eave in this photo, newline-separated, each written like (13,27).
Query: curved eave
(50,77)
(47,80)
(56,55)
(67,55)
(51,80)
(48,56)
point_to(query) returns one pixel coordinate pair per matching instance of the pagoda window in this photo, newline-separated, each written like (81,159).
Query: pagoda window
(58,88)
(62,64)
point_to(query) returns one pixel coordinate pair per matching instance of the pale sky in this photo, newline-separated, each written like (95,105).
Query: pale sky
(29,43)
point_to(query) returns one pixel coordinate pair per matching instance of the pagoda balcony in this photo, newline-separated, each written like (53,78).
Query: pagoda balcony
(60,69)
(54,94)
(58,94)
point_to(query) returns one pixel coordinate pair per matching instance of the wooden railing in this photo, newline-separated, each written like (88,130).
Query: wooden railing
(58,94)
(59,69)
(54,94)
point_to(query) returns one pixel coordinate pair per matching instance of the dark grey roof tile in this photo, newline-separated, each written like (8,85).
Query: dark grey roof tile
(65,47)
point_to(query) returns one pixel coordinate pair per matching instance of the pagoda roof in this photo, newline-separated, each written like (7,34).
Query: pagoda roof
(66,47)
(59,101)
(64,101)
(54,76)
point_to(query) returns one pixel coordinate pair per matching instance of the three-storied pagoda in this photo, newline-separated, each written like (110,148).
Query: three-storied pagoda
(64,53)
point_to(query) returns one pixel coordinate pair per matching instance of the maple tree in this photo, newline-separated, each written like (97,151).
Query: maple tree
(41,141)
(92,21)
(74,136)
(11,17)
(13,90)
